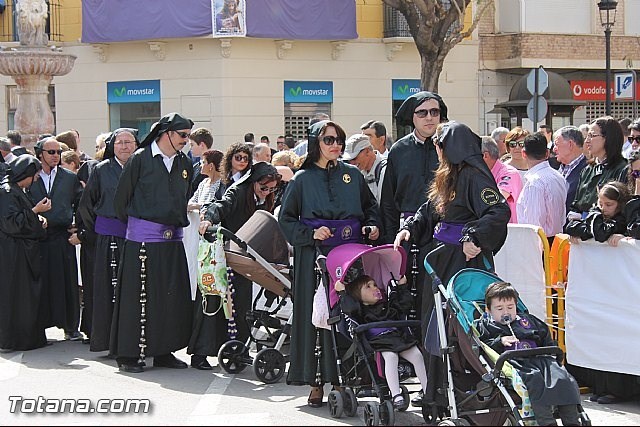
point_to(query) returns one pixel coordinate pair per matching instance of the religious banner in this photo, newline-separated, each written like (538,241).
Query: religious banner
(228,18)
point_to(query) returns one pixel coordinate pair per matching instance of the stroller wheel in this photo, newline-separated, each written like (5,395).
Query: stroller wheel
(336,404)
(407,398)
(371,414)
(387,414)
(232,356)
(350,402)
(269,365)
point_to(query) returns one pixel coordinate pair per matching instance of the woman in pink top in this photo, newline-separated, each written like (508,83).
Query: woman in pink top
(507,177)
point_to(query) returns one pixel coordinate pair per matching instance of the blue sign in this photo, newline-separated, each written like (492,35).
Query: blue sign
(401,89)
(308,91)
(133,91)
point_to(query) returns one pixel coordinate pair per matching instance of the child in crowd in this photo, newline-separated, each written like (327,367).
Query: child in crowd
(548,383)
(605,222)
(365,303)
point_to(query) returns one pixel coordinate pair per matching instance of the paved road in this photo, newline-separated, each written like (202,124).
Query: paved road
(181,397)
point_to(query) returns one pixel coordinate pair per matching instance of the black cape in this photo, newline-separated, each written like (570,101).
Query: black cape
(336,193)
(20,289)
(148,191)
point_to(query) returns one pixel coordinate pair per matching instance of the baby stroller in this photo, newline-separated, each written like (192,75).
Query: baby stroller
(360,375)
(473,385)
(259,252)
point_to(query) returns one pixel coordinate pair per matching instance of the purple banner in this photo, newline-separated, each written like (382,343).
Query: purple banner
(105,21)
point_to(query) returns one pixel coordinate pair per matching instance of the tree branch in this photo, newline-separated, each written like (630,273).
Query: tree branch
(476,19)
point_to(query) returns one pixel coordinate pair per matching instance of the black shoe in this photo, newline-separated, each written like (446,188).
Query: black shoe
(398,401)
(168,361)
(132,369)
(200,362)
(417,401)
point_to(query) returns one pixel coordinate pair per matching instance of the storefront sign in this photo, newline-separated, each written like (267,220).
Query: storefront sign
(133,91)
(401,89)
(308,91)
(594,90)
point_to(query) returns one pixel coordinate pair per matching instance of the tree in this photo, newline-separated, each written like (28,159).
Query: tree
(436,27)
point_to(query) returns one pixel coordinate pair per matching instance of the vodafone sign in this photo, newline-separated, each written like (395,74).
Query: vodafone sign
(593,90)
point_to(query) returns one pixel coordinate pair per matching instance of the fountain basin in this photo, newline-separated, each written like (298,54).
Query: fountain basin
(26,62)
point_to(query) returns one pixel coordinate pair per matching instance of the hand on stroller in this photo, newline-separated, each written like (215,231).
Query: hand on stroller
(203,227)
(402,235)
(371,232)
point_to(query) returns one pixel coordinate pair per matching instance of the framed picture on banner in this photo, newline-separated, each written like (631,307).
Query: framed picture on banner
(228,17)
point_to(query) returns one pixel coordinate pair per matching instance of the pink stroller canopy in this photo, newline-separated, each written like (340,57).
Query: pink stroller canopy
(380,262)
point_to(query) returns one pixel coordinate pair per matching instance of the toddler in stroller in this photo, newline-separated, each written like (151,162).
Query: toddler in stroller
(548,383)
(364,302)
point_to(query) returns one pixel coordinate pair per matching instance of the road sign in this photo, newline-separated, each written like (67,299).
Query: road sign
(543,81)
(623,85)
(542,109)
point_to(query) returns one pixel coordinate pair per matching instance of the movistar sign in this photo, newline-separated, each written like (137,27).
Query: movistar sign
(308,91)
(401,89)
(133,91)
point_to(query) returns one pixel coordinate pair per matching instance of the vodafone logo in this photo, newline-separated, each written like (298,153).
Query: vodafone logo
(591,90)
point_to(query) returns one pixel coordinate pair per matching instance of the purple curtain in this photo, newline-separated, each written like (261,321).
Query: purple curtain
(106,21)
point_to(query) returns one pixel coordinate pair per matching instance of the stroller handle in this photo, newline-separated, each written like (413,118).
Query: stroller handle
(227,234)
(538,351)
(435,280)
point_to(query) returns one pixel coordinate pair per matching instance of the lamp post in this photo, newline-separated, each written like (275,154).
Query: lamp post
(607,20)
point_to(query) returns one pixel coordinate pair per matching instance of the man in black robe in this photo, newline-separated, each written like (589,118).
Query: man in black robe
(60,294)
(152,313)
(99,218)
(20,229)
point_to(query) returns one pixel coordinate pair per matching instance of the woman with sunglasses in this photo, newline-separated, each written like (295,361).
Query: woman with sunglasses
(327,203)
(604,142)
(254,191)
(515,143)
(632,210)
(236,162)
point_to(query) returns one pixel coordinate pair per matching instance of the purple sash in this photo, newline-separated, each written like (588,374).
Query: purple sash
(374,332)
(343,230)
(110,227)
(448,232)
(143,231)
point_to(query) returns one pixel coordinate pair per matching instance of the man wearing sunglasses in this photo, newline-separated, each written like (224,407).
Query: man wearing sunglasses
(152,312)
(60,304)
(633,139)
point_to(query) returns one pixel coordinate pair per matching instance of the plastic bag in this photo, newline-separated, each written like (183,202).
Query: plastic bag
(320,313)
(212,272)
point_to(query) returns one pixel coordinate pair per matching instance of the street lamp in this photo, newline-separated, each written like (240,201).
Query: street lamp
(607,20)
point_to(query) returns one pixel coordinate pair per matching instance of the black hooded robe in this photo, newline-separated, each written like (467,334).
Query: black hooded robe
(335,193)
(60,293)
(97,199)
(20,288)
(146,190)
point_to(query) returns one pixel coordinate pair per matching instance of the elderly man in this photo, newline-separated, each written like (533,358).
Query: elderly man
(544,194)
(60,304)
(506,176)
(5,150)
(499,134)
(98,216)
(152,313)
(261,153)
(568,146)
(359,152)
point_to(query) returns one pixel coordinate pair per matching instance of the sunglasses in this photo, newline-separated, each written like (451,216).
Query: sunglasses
(592,135)
(434,112)
(514,144)
(183,135)
(634,138)
(53,152)
(265,189)
(241,158)
(635,174)
(330,140)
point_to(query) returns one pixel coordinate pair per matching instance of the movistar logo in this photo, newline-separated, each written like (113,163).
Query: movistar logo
(295,91)
(403,89)
(120,92)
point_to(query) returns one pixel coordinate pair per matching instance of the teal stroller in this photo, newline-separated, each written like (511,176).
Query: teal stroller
(470,384)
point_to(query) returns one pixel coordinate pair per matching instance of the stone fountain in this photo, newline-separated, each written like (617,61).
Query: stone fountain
(32,65)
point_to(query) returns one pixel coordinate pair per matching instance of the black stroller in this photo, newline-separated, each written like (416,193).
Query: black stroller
(259,252)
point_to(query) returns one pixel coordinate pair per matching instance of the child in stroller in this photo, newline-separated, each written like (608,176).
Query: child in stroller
(547,382)
(364,302)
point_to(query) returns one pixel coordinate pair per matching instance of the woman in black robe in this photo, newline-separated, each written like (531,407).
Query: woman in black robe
(254,191)
(99,217)
(20,230)
(327,203)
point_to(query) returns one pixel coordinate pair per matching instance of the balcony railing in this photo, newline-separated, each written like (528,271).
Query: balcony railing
(394,23)
(8,17)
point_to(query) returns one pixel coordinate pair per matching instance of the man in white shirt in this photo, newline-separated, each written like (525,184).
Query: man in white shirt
(359,152)
(377,133)
(543,196)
